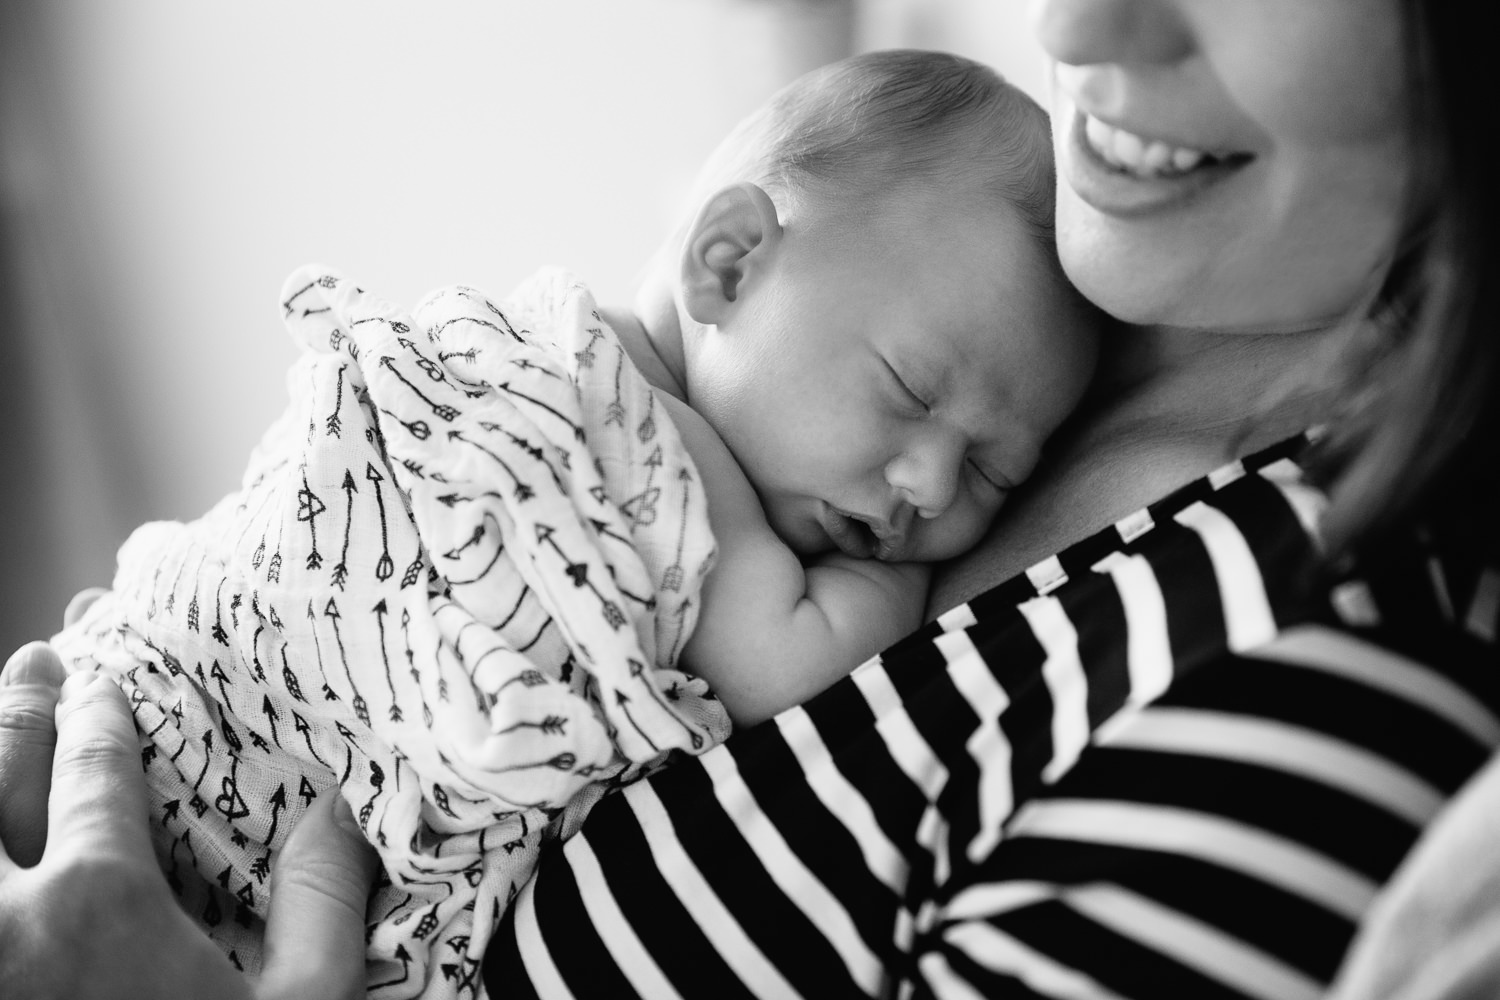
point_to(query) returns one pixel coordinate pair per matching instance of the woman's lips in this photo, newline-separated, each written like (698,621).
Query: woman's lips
(1123,174)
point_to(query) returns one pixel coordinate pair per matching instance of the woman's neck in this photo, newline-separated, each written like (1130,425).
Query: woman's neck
(1168,406)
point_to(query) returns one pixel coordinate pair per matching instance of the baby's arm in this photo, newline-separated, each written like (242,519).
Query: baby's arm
(771,633)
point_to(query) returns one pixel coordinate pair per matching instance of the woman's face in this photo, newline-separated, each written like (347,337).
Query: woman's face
(1227,164)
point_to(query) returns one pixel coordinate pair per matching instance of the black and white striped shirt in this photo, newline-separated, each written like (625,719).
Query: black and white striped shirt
(1161,764)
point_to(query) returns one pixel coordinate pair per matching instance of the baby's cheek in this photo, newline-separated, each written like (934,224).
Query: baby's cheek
(955,533)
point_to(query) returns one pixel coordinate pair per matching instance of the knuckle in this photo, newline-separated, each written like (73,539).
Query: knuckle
(100,751)
(28,719)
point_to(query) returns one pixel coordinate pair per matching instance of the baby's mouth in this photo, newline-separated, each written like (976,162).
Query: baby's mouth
(862,537)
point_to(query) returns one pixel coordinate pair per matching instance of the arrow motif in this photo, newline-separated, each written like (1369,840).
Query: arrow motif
(309,506)
(638,671)
(474,539)
(341,571)
(218,616)
(377,781)
(418,429)
(229,802)
(360,710)
(647,428)
(641,508)
(577,430)
(270,713)
(404,957)
(682,613)
(623,701)
(293,686)
(579,572)
(385,567)
(306,730)
(440,410)
(615,412)
(278,803)
(380,612)
(672,579)
(334,424)
(523,492)
(208,752)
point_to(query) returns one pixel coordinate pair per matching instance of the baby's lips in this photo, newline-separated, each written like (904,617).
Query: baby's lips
(847,534)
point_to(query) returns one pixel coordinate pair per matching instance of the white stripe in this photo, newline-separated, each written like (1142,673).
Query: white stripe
(957,618)
(990,899)
(842,800)
(1284,747)
(987,745)
(992,949)
(1148,647)
(1354,604)
(1226,474)
(713,918)
(801,887)
(1063,673)
(535,958)
(1485,607)
(905,930)
(1440,587)
(1275,860)
(932,833)
(619,938)
(1306,501)
(1135,525)
(910,752)
(1047,575)
(1193,943)
(942,980)
(1344,655)
(1247,613)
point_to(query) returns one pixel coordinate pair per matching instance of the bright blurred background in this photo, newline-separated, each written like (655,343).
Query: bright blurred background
(165,163)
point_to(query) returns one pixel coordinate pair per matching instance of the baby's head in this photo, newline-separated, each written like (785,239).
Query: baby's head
(873,317)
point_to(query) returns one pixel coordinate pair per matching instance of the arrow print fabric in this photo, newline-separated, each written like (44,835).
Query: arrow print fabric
(436,592)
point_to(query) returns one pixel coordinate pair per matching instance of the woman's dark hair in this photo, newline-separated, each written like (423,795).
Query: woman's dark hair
(1424,427)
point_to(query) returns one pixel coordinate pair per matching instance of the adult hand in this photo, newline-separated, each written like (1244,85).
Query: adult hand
(84,910)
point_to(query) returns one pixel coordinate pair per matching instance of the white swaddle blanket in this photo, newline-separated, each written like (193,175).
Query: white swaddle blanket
(453,587)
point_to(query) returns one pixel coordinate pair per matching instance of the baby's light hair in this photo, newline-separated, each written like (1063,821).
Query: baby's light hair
(870,123)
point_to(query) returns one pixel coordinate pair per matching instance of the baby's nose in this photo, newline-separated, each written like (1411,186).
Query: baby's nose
(927,478)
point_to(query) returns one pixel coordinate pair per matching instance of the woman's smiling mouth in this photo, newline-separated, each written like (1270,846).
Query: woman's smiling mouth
(1121,173)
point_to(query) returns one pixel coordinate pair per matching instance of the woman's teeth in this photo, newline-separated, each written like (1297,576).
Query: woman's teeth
(1129,152)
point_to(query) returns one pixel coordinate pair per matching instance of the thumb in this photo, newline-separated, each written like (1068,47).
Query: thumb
(315,931)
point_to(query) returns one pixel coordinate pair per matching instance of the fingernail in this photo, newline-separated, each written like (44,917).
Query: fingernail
(33,663)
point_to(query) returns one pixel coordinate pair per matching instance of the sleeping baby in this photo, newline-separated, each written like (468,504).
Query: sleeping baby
(501,556)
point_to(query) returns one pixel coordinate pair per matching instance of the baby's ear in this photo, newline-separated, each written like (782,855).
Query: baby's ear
(734,232)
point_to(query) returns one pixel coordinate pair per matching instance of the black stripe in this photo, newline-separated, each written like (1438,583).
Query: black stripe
(1190,592)
(788,939)
(1324,819)
(1301,933)
(1385,723)
(822,843)
(665,927)
(575,946)
(1124,966)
